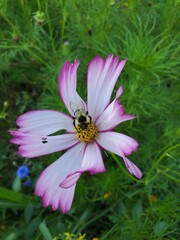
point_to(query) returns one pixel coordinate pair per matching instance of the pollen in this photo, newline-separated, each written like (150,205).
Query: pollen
(87,135)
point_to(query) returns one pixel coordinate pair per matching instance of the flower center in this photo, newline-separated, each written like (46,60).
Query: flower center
(88,134)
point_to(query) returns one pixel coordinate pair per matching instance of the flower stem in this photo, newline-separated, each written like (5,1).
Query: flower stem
(162,156)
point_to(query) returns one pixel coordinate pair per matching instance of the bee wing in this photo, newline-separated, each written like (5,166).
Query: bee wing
(74,107)
(81,105)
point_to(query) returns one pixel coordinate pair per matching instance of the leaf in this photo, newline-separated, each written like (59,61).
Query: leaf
(121,208)
(160,227)
(13,196)
(137,210)
(7,204)
(32,227)
(28,212)
(16,186)
(45,231)
(11,236)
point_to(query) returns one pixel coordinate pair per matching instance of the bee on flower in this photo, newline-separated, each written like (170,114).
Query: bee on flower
(88,130)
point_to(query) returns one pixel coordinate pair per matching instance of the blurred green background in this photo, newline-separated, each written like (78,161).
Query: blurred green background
(36,38)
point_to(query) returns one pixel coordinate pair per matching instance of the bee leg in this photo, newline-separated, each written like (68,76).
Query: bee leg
(90,119)
(74,123)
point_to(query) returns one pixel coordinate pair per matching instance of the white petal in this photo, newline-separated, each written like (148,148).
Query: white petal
(44,122)
(121,145)
(132,168)
(48,184)
(92,162)
(101,78)
(112,115)
(34,146)
(117,143)
(67,84)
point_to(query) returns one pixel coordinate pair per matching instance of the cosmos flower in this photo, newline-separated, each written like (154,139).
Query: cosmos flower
(88,129)
(22,171)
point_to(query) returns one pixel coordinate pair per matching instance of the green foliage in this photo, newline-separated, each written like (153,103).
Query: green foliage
(36,38)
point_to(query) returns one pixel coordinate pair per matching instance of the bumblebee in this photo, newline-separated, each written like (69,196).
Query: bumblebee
(81,118)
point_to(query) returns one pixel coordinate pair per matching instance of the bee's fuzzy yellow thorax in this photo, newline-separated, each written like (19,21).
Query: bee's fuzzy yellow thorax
(87,135)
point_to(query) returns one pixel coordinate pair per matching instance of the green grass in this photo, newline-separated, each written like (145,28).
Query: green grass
(36,38)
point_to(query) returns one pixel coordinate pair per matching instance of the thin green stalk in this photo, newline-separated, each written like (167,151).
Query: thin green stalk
(162,156)
(39,5)
(51,35)
(63,24)
(169,176)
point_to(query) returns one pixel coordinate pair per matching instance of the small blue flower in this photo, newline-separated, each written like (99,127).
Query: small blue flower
(27,183)
(22,171)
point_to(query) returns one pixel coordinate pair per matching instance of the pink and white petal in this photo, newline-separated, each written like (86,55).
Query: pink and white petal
(70,180)
(113,115)
(67,84)
(119,92)
(101,78)
(109,118)
(32,145)
(47,185)
(44,122)
(92,162)
(117,143)
(132,168)
(126,117)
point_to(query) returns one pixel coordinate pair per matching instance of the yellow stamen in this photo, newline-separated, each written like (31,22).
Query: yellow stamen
(87,135)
